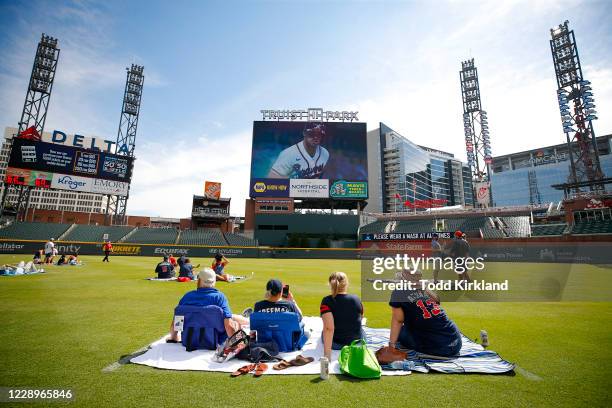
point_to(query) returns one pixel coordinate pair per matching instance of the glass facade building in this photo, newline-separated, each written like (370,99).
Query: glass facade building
(418,174)
(527,177)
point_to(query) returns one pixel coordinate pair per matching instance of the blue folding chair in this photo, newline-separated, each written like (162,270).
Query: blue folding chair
(203,327)
(285,329)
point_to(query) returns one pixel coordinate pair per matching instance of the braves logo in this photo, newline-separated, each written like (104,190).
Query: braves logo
(308,172)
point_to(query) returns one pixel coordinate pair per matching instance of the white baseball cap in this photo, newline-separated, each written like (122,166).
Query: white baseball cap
(207,276)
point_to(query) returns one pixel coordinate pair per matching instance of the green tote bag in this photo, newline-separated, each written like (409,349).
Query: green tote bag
(359,361)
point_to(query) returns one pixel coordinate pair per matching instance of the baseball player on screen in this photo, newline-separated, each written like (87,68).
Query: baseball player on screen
(304,160)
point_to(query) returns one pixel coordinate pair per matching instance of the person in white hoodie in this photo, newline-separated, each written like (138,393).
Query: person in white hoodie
(49,251)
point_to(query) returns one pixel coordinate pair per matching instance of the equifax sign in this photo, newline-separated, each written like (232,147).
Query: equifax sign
(84,142)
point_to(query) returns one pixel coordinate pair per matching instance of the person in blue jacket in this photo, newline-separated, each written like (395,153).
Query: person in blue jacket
(207,295)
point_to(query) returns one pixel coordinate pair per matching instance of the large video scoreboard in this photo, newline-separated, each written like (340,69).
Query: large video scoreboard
(309,160)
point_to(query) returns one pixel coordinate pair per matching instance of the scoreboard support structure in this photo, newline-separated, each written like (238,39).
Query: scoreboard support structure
(476,131)
(577,109)
(34,114)
(126,136)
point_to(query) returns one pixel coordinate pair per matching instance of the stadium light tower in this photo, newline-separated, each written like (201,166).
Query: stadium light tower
(34,112)
(126,136)
(534,191)
(577,110)
(476,130)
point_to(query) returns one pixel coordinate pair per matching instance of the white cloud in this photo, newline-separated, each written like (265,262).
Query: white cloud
(167,175)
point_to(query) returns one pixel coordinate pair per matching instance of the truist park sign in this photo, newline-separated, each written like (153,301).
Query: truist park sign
(309,115)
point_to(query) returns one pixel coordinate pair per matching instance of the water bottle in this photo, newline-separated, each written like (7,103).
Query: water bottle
(324,368)
(484,338)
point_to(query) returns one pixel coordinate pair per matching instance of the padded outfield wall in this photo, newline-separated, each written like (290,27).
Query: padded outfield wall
(28,247)
(8,246)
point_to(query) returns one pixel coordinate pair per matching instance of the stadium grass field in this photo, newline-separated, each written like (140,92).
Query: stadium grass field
(62,328)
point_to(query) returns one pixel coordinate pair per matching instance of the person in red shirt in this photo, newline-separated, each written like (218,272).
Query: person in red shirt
(107,248)
(172,260)
(218,266)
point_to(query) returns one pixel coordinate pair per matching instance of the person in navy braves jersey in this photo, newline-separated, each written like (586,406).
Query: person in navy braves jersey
(164,269)
(304,160)
(419,323)
(274,301)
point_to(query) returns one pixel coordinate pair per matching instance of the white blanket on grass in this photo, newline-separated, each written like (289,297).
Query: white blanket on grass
(174,356)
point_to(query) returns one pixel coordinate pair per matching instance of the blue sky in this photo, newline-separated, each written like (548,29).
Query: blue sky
(211,66)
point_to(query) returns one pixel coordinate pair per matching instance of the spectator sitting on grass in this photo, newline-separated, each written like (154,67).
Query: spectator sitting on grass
(218,266)
(207,295)
(164,269)
(181,260)
(73,259)
(62,260)
(275,301)
(419,323)
(186,269)
(172,260)
(38,257)
(341,314)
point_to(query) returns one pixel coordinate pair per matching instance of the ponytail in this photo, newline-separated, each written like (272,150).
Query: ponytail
(338,282)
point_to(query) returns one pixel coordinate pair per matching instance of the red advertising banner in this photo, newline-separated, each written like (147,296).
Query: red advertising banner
(25,177)
(432,203)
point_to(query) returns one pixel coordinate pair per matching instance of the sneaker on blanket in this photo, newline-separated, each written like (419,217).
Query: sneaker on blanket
(233,350)
(231,347)
(227,353)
